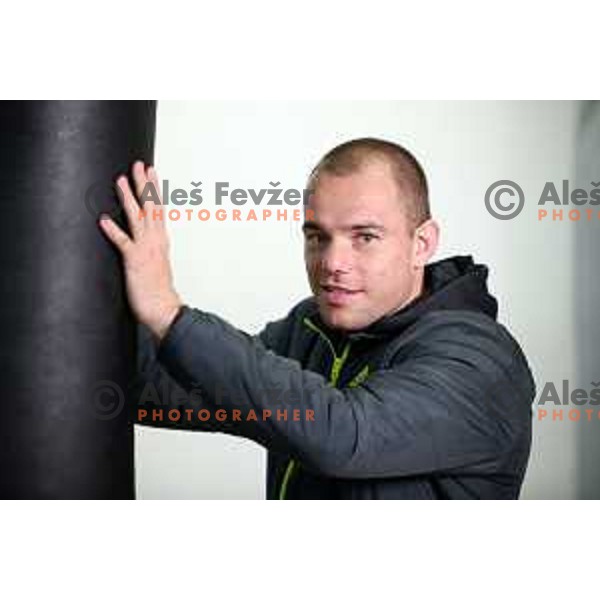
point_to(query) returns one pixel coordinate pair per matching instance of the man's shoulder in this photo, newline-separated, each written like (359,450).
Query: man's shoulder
(441,323)
(465,336)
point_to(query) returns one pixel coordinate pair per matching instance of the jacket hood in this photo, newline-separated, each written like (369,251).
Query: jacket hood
(455,283)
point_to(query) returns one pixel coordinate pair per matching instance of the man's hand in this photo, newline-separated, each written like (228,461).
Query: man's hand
(148,276)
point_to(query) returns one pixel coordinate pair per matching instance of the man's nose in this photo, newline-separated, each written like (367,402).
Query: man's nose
(337,257)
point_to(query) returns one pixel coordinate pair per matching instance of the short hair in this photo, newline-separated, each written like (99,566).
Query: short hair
(352,156)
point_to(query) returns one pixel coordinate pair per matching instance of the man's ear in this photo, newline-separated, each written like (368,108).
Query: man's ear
(426,239)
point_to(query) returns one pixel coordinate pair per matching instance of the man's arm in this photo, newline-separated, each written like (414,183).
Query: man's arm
(449,406)
(153,389)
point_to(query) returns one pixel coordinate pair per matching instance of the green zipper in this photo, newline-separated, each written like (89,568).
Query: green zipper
(334,375)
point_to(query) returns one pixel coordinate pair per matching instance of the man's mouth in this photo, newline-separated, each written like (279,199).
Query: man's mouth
(337,295)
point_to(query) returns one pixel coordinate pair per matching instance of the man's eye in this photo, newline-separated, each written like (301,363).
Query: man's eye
(367,237)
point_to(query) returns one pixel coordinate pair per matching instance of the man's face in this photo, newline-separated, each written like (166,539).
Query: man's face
(358,248)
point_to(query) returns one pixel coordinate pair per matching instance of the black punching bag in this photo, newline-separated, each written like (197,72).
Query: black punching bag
(67,350)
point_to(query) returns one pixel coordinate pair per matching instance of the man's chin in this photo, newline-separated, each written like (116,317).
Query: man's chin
(341,318)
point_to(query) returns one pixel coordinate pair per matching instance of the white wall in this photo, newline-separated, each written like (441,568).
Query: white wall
(251,273)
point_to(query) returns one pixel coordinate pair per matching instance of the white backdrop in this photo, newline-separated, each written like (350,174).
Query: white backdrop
(250,273)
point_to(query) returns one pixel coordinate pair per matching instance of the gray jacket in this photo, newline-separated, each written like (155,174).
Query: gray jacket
(433,401)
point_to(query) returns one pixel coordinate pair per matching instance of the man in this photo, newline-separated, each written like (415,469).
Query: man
(409,388)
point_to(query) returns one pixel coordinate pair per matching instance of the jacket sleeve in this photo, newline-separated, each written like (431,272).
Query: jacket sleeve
(459,400)
(154,393)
